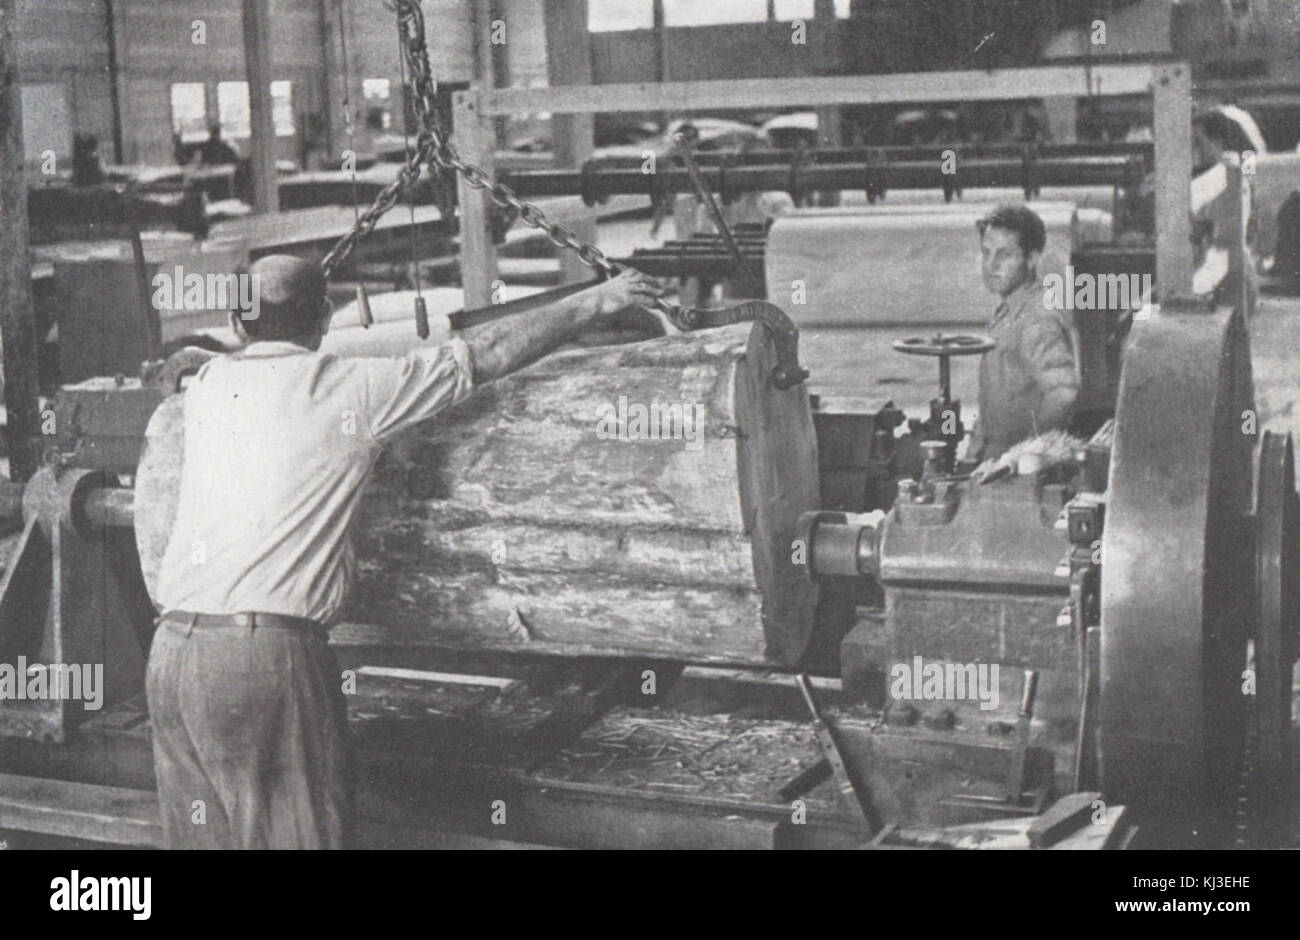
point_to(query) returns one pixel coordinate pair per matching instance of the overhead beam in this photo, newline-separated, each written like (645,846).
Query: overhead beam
(17,315)
(1001,84)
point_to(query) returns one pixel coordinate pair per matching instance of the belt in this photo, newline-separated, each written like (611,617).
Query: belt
(253,620)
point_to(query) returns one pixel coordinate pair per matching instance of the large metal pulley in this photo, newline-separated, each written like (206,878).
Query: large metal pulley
(1179,585)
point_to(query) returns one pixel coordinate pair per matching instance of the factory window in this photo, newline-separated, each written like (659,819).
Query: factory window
(694,13)
(786,10)
(232,107)
(282,108)
(793,9)
(379,106)
(47,122)
(606,16)
(189,111)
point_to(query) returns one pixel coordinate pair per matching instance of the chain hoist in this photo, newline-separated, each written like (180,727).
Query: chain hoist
(434,150)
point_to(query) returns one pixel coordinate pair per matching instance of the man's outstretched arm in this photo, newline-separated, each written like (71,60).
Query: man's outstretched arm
(510,343)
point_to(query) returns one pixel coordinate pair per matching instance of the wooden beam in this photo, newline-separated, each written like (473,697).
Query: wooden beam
(992,85)
(500,683)
(257,46)
(17,315)
(1172,92)
(79,810)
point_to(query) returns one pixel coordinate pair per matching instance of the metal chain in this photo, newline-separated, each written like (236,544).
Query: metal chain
(435,150)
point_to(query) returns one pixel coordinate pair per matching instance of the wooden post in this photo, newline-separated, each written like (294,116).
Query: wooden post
(1172,94)
(661,56)
(1238,197)
(332,82)
(828,118)
(17,315)
(490,66)
(114,92)
(478,256)
(257,43)
(568,62)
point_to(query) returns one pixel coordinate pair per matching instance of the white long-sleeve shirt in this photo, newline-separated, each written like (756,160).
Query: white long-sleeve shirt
(279,442)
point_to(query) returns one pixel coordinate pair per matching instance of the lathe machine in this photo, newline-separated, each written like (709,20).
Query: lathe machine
(1140,600)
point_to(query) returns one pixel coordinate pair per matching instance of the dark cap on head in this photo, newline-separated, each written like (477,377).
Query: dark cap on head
(292,296)
(1029,228)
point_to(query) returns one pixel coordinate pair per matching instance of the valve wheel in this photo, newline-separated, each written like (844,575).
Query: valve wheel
(945,344)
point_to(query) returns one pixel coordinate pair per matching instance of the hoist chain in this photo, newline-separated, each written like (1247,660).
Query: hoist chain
(433,149)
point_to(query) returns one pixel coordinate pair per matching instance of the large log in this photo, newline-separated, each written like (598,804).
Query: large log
(516,522)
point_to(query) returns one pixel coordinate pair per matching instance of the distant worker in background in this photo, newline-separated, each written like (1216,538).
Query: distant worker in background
(1029,382)
(214,151)
(87,170)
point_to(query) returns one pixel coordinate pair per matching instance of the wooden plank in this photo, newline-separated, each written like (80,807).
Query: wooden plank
(79,811)
(994,834)
(449,678)
(991,85)
(1064,817)
(1113,832)
(1172,104)
(17,313)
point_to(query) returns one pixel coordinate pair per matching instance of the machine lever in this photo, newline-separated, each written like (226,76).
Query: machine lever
(852,799)
(784,333)
(1016,778)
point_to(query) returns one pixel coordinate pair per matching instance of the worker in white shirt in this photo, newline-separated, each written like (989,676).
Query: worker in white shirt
(249,721)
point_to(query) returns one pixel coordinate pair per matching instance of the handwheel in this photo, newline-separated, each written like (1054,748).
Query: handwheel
(944,346)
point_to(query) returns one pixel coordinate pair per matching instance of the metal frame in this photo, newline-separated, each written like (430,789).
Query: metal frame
(1169,84)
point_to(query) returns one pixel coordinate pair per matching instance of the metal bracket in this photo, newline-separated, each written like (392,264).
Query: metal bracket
(784,333)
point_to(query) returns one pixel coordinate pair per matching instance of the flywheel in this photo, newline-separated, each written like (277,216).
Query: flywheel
(1178,569)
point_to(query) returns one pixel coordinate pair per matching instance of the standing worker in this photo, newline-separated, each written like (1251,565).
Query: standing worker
(249,721)
(1029,382)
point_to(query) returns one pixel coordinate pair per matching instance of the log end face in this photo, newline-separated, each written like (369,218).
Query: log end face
(777,456)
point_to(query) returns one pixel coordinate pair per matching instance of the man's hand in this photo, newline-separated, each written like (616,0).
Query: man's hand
(629,288)
(502,346)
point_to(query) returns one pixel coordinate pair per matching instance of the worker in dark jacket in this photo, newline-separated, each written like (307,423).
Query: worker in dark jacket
(1029,382)
(245,695)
